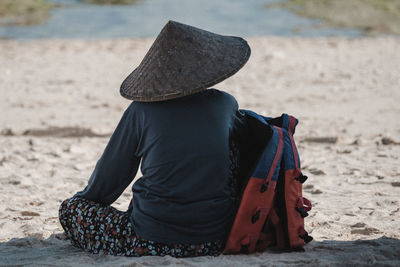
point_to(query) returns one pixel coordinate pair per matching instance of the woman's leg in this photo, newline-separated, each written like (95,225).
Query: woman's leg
(102,229)
(95,227)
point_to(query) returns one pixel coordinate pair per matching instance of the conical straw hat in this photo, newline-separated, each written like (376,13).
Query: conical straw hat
(184,60)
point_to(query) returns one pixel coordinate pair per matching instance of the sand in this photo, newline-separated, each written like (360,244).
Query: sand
(60,102)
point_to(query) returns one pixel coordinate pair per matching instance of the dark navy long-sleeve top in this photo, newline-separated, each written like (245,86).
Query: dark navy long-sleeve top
(183,146)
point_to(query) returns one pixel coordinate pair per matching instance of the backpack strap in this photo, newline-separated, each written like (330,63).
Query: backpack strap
(289,124)
(296,206)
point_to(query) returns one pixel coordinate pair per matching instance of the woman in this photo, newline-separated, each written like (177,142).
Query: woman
(180,132)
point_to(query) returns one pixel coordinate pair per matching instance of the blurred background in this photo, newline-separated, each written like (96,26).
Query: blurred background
(92,19)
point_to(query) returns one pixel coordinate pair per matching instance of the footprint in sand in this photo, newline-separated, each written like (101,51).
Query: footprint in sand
(389,141)
(308,187)
(321,140)
(63,132)
(358,225)
(361,229)
(316,192)
(344,151)
(316,171)
(7,132)
(29,213)
(395,184)
(36,203)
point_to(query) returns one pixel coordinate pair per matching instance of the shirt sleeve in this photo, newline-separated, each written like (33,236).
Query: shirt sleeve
(118,164)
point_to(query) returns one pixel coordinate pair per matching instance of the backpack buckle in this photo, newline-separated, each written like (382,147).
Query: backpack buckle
(305,236)
(245,244)
(256,216)
(301,178)
(302,206)
(264,187)
(302,212)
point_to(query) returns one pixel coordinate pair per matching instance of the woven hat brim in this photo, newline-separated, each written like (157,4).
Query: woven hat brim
(184,61)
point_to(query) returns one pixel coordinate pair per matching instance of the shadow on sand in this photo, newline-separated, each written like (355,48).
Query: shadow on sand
(57,251)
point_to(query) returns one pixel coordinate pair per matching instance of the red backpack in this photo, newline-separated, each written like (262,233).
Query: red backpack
(272,209)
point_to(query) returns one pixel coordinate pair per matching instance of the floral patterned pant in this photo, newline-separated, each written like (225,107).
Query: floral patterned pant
(102,229)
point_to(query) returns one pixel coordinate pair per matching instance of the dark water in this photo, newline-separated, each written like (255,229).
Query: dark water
(146,18)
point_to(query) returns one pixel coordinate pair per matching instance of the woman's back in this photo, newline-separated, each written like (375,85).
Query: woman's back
(184,194)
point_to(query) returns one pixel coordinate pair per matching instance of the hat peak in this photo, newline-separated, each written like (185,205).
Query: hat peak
(183,60)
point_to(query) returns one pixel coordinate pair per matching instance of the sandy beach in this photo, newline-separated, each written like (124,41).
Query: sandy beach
(60,103)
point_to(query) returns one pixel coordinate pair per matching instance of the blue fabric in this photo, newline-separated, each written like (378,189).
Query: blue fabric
(285,121)
(254,114)
(288,151)
(182,144)
(267,157)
